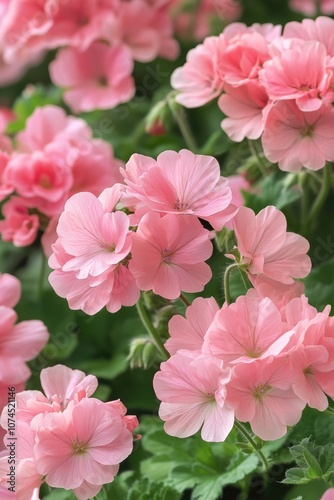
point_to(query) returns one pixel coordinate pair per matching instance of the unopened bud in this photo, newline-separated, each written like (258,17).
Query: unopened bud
(158,118)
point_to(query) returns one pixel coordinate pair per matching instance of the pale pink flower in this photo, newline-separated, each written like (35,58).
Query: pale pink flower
(238,184)
(181,183)
(309,7)
(192,391)
(267,248)
(19,343)
(145,28)
(299,73)
(6,188)
(260,393)
(18,225)
(188,333)
(200,80)
(10,290)
(85,442)
(294,139)
(97,78)
(96,239)
(279,293)
(168,255)
(246,330)
(320,29)
(246,108)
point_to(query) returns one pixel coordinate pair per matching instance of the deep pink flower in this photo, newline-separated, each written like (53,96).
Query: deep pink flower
(168,255)
(97,78)
(192,391)
(267,248)
(295,139)
(18,225)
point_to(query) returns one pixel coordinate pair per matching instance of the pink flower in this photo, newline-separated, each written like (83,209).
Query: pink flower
(295,139)
(309,7)
(180,183)
(328,495)
(200,80)
(188,333)
(19,343)
(320,29)
(168,255)
(145,28)
(279,293)
(267,248)
(10,290)
(192,391)
(237,184)
(42,178)
(260,393)
(245,107)
(18,226)
(84,443)
(299,73)
(249,329)
(97,78)
(96,239)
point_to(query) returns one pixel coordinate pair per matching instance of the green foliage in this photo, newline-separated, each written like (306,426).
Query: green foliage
(319,284)
(274,190)
(313,462)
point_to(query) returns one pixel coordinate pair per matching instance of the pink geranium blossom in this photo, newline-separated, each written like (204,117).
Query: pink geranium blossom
(267,248)
(97,78)
(246,108)
(295,139)
(299,73)
(309,7)
(260,393)
(18,225)
(84,443)
(320,29)
(192,391)
(200,80)
(181,183)
(188,333)
(168,255)
(250,328)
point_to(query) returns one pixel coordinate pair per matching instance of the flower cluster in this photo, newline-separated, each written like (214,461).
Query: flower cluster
(258,360)
(99,41)
(271,84)
(55,156)
(104,257)
(66,438)
(19,342)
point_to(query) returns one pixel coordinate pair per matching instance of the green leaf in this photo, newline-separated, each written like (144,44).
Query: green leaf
(319,285)
(295,476)
(273,191)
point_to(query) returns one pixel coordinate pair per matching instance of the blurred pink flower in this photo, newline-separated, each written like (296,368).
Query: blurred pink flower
(309,7)
(97,78)
(192,391)
(319,29)
(168,255)
(10,290)
(18,225)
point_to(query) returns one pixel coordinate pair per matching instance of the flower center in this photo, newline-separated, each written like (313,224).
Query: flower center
(308,131)
(260,391)
(308,370)
(166,256)
(79,448)
(180,205)
(45,181)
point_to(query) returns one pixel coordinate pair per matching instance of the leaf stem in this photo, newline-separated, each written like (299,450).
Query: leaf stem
(181,119)
(146,320)
(184,300)
(322,196)
(228,271)
(242,429)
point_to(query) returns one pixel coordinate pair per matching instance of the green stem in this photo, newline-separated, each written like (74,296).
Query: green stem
(245,280)
(146,320)
(304,201)
(228,271)
(242,429)
(41,277)
(181,119)
(185,300)
(322,196)
(261,164)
